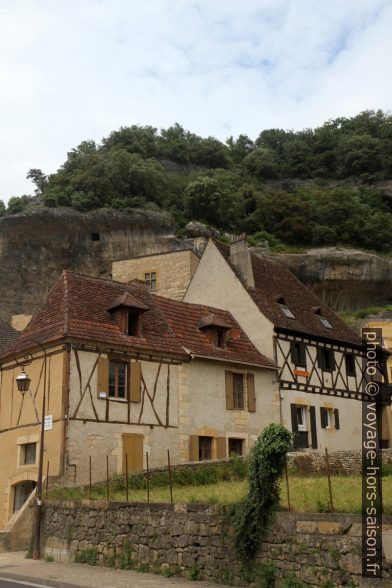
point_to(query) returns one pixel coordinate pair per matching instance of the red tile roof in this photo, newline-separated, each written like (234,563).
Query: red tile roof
(184,318)
(273,282)
(78,307)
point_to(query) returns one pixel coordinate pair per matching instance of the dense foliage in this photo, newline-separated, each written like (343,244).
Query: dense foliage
(253,514)
(311,187)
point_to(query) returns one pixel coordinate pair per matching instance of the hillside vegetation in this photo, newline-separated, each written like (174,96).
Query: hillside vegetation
(306,188)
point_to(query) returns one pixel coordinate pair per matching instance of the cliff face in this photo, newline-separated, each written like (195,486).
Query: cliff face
(35,247)
(344,279)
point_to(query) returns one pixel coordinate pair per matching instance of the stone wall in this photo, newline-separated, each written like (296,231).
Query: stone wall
(195,541)
(341,462)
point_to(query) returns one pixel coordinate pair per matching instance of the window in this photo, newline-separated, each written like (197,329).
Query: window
(301,418)
(238,391)
(298,354)
(350,364)
(151,281)
(286,311)
(221,336)
(325,322)
(134,324)
(95,236)
(205,445)
(326,359)
(236,447)
(28,454)
(329,418)
(118,379)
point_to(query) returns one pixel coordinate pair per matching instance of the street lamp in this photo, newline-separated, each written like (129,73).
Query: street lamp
(23,383)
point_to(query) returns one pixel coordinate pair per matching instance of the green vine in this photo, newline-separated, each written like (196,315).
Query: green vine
(251,517)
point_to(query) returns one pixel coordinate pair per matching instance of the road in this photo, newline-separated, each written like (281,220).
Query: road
(7,583)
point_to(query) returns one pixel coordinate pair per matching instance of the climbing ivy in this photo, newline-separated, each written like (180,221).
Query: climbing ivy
(252,515)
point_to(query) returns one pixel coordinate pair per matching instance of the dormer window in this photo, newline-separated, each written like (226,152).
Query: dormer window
(325,322)
(127,312)
(215,329)
(284,308)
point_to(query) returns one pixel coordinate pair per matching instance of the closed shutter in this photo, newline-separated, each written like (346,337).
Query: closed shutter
(293,353)
(221,448)
(193,448)
(294,424)
(103,376)
(337,422)
(229,390)
(250,385)
(320,358)
(333,360)
(313,427)
(136,376)
(323,417)
(303,355)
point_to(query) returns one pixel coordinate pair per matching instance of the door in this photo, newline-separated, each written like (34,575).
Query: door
(21,493)
(133,449)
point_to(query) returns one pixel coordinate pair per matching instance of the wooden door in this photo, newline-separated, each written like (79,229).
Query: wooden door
(133,448)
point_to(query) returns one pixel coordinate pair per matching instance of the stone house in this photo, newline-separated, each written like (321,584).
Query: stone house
(318,356)
(126,373)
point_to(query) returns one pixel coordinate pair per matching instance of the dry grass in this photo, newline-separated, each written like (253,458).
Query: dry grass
(307,494)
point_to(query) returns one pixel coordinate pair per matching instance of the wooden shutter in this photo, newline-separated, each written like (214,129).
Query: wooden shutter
(250,385)
(193,448)
(136,375)
(320,358)
(229,390)
(313,426)
(294,424)
(333,360)
(103,376)
(221,448)
(133,449)
(323,417)
(303,355)
(337,422)
(293,353)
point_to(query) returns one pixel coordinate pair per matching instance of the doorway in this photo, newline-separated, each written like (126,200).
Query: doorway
(21,493)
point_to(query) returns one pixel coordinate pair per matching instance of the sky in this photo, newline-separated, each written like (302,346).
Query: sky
(77,70)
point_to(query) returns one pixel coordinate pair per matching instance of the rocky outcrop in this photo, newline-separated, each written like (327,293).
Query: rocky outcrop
(36,246)
(344,279)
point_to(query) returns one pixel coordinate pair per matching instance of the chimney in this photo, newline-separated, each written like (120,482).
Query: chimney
(240,258)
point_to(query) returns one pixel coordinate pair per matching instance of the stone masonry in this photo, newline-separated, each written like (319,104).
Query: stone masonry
(195,540)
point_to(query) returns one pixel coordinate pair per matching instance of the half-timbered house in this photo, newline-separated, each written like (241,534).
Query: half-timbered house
(127,373)
(319,357)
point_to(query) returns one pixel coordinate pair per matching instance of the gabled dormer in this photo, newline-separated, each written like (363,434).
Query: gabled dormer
(215,329)
(127,312)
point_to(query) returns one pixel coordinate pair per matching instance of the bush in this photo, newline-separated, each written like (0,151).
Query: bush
(252,515)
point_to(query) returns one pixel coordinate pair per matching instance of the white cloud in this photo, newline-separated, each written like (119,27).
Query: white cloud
(75,70)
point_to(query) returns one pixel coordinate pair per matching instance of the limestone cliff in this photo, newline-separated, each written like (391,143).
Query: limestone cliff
(36,246)
(344,279)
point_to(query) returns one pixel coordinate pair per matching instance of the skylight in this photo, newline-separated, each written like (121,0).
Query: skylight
(325,322)
(286,311)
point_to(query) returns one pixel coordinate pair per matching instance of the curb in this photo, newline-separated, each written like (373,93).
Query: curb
(34,580)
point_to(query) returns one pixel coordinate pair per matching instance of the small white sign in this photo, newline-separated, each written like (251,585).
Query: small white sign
(102,394)
(48,423)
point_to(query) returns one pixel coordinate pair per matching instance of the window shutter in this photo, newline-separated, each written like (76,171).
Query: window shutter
(103,376)
(221,448)
(136,376)
(323,416)
(313,427)
(303,355)
(337,422)
(229,390)
(333,361)
(250,385)
(320,358)
(193,448)
(292,353)
(294,424)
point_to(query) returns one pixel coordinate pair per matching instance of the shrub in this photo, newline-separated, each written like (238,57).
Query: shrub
(252,515)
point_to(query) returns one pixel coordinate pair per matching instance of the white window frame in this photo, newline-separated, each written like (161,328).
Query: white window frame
(304,425)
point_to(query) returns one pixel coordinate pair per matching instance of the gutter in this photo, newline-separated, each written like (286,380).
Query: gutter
(259,365)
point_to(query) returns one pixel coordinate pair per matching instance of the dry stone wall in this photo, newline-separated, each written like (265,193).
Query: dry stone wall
(195,541)
(341,462)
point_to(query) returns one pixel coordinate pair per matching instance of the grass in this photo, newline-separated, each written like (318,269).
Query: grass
(307,494)
(354,317)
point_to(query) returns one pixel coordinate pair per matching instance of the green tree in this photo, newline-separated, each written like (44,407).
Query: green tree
(262,163)
(39,179)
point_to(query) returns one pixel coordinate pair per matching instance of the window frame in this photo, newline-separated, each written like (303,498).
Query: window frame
(150,279)
(23,453)
(115,396)
(238,395)
(325,352)
(286,311)
(236,440)
(205,439)
(350,372)
(298,350)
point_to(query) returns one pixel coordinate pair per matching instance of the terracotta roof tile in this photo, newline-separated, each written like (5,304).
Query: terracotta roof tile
(274,281)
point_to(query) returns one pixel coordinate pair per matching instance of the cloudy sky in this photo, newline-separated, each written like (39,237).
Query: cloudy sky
(77,69)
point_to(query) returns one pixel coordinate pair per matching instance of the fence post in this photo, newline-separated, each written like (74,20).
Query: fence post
(126,477)
(107,477)
(89,493)
(331,506)
(148,478)
(287,484)
(47,480)
(170,476)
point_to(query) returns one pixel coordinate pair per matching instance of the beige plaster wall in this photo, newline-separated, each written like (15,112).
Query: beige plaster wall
(174,271)
(215,284)
(20,418)
(98,438)
(350,416)
(202,404)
